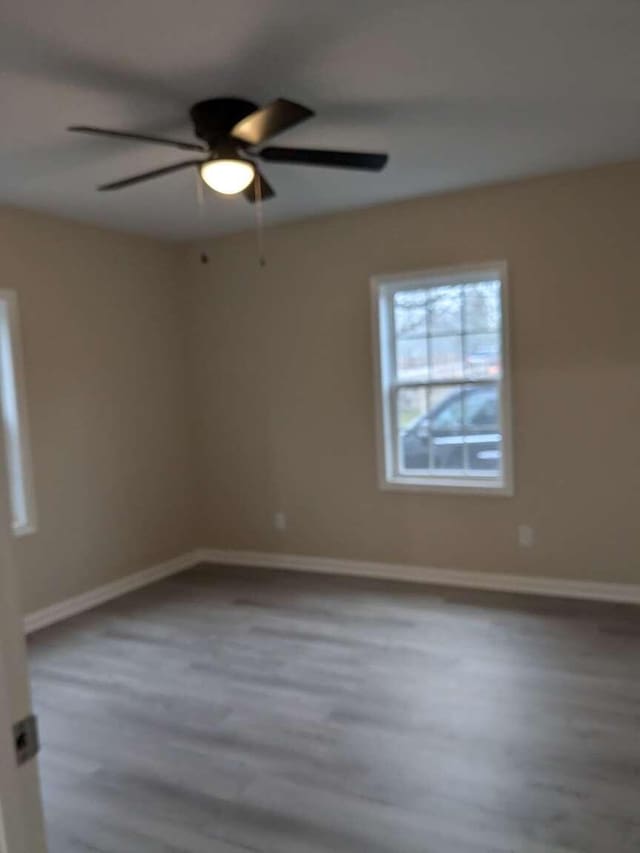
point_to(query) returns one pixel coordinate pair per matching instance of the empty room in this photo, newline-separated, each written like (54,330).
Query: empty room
(320,394)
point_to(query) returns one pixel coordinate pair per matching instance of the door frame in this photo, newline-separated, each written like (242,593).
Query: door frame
(21,817)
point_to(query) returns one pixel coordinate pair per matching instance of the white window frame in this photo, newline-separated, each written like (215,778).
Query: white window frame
(13,407)
(383,288)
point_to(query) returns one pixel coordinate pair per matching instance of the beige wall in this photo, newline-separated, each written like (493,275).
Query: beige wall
(258,387)
(282,381)
(103,340)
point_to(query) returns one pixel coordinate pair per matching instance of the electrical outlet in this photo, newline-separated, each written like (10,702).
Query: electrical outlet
(280,521)
(526,536)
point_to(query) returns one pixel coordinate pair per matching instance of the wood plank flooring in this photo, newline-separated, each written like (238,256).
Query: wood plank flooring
(233,710)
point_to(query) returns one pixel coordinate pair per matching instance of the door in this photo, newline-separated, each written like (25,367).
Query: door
(21,823)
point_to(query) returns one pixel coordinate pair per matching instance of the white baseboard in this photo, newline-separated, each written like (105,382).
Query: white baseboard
(87,600)
(560,588)
(625,593)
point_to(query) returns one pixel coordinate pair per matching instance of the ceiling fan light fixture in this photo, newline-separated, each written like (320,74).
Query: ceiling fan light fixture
(230,127)
(228,176)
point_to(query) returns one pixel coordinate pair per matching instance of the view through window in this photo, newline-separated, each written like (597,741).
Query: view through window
(14,418)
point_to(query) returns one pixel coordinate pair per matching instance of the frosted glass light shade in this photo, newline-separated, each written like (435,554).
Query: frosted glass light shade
(227,176)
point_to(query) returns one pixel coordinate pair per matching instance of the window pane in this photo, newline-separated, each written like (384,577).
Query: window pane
(412,404)
(484,458)
(411,359)
(413,429)
(483,441)
(445,404)
(409,298)
(411,322)
(446,358)
(482,307)
(446,432)
(481,408)
(445,310)
(482,358)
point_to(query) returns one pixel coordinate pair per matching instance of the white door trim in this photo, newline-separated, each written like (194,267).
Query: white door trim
(21,819)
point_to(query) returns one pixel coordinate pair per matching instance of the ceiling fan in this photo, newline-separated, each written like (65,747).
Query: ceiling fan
(232,129)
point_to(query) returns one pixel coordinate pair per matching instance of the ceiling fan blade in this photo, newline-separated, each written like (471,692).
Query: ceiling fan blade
(146,176)
(276,117)
(317,157)
(261,183)
(138,137)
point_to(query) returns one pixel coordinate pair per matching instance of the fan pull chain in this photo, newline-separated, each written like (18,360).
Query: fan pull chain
(199,198)
(200,202)
(260,223)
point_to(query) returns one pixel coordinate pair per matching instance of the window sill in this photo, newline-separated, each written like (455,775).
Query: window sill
(451,485)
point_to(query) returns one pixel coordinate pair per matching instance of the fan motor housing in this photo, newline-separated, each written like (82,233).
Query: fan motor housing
(214,119)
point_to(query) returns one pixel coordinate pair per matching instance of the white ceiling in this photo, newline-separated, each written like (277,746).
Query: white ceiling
(459,92)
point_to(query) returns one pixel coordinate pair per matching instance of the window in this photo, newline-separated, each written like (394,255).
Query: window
(12,404)
(442,380)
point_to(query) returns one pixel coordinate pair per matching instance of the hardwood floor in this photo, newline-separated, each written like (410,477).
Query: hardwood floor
(229,710)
